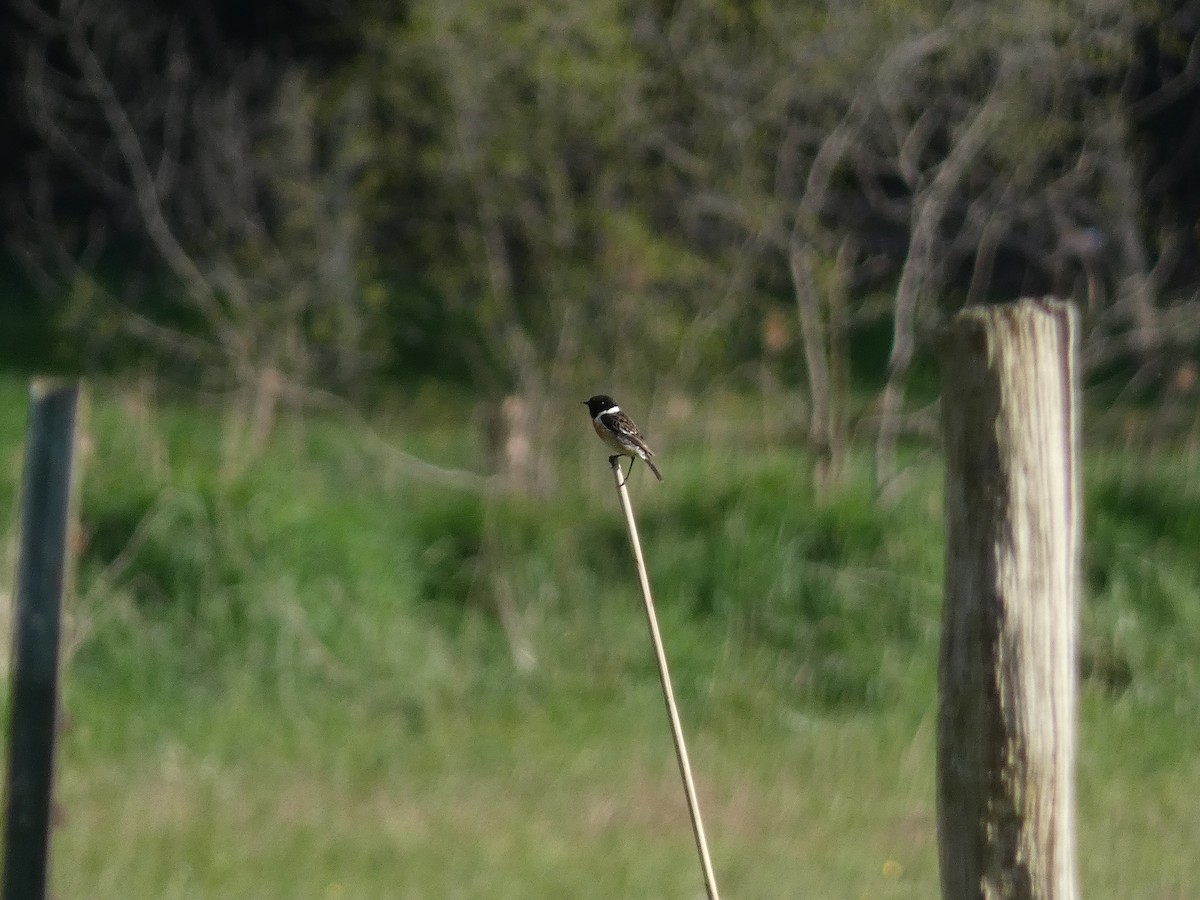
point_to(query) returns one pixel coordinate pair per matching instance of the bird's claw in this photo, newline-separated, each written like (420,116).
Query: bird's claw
(615,462)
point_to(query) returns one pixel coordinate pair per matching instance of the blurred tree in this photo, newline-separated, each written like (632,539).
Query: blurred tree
(1159,192)
(763,111)
(940,148)
(609,181)
(585,189)
(538,215)
(242,187)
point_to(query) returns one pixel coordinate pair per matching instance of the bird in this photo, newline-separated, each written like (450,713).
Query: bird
(618,431)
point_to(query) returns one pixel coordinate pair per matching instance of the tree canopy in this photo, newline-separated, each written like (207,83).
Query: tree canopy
(511,192)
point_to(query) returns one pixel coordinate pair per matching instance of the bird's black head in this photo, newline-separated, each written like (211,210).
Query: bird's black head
(599,404)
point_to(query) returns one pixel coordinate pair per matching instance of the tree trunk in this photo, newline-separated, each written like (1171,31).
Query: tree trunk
(929,208)
(1007,674)
(814,340)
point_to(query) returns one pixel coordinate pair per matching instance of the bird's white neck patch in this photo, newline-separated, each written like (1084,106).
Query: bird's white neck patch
(608,412)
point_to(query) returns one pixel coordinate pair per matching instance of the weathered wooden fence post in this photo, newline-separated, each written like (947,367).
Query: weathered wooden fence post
(1007,674)
(41,568)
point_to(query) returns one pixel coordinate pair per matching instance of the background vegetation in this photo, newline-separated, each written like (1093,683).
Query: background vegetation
(511,194)
(331,679)
(352,615)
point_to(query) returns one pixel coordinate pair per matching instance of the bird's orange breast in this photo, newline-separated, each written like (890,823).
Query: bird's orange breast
(609,438)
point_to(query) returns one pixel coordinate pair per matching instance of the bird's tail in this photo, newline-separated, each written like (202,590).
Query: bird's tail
(653,468)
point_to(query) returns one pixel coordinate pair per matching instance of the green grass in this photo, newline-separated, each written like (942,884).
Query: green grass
(302,682)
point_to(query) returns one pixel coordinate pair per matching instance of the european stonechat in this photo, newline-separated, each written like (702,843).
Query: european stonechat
(618,431)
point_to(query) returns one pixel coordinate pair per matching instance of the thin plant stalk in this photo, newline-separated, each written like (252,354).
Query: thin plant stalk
(681,754)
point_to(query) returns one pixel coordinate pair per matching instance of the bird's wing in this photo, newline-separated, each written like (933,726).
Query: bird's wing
(623,425)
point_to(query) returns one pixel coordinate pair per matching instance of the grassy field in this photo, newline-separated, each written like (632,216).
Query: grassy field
(326,679)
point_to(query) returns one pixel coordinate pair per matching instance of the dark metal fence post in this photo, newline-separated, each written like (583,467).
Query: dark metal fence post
(41,568)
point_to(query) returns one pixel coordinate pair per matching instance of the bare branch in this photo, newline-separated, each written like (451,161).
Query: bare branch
(1173,89)
(929,207)
(145,188)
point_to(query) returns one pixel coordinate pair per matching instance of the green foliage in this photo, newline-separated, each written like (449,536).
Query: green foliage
(28,330)
(312,680)
(451,534)
(1142,621)
(835,602)
(804,582)
(498,192)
